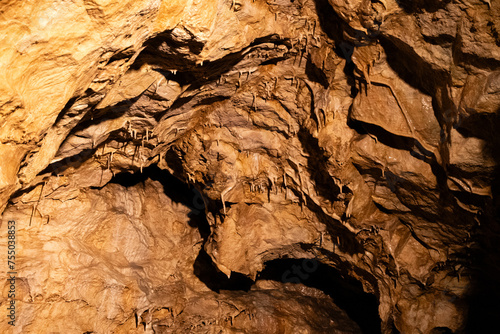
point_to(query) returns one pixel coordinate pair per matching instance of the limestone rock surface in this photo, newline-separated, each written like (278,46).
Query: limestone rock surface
(250,166)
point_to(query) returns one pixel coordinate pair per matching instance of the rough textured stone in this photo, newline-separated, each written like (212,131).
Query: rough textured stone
(163,160)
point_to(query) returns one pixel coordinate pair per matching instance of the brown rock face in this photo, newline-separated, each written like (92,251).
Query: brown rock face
(229,166)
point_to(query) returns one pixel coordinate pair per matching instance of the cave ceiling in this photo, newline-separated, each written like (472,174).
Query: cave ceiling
(250,166)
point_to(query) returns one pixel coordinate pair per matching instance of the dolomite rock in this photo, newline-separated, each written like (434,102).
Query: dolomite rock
(159,157)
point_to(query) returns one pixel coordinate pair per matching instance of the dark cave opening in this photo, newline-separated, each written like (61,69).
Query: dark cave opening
(216,280)
(173,188)
(188,195)
(346,292)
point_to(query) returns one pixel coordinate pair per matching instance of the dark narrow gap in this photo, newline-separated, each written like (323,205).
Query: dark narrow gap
(97,116)
(123,54)
(334,27)
(346,292)
(445,41)
(66,110)
(314,73)
(393,140)
(75,161)
(348,243)
(163,55)
(325,185)
(273,61)
(329,21)
(409,66)
(194,75)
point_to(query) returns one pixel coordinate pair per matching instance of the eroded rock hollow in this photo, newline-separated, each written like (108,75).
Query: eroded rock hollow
(249,166)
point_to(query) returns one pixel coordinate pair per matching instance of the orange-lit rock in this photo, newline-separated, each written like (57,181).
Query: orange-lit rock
(326,166)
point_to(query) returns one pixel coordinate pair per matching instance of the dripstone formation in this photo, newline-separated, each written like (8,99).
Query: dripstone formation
(250,166)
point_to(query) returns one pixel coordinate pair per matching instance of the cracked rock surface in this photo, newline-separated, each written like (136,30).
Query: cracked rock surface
(251,166)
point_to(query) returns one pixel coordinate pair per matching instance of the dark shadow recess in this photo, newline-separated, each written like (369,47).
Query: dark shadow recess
(347,293)
(189,196)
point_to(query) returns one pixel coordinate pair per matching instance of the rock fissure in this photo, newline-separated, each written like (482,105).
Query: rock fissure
(226,166)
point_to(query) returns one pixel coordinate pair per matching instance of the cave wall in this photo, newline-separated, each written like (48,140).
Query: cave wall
(137,135)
